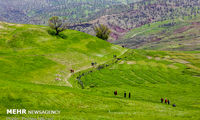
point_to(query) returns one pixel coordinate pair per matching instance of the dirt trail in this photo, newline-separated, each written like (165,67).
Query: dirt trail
(139,33)
(181,20)
(85,68)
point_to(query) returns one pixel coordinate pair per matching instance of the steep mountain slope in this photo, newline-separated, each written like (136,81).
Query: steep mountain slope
(39,11)
(178,34)
(34,65)
(122,18)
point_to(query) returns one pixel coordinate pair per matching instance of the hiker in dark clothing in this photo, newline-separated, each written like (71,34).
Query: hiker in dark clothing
(168,102)
(92,64)
(129,95)
(118,59)
(72,71)
(174,105)
(125,94)
(115,92)
(161,100)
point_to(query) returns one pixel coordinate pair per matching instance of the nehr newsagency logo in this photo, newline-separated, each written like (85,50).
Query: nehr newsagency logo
(36,112)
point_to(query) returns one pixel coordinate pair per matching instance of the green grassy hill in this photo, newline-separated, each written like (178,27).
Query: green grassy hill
(177,34)
(31,60)
(150,75)
(30,54)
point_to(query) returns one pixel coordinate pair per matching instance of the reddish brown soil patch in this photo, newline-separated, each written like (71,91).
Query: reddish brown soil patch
(179,37)
(196,23)
(114,35)
(155,39)
(183,29)
(118,29)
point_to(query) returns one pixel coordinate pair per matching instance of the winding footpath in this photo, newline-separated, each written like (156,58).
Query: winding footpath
(85,68)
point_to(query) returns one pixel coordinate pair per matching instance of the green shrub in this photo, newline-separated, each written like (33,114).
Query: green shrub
(102,32)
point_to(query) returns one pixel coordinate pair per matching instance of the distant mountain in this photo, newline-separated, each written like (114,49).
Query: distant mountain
(39,11)
(179,34)
(123,18)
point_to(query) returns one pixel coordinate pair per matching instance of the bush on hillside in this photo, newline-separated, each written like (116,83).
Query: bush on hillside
(57,24)
(102,32)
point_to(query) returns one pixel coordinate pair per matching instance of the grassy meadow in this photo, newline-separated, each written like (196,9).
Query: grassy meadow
(31,59)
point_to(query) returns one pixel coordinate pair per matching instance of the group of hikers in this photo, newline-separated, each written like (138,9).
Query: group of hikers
(167,101)
(129,95)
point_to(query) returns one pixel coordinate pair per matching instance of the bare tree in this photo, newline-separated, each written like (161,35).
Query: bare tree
(57,24)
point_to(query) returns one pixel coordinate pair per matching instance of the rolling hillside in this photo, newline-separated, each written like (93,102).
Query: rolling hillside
(29,53)
(178,34)
(35,76)
(150,75)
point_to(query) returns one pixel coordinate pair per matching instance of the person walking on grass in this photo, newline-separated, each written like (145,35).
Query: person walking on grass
(165,100)
(161,100)
(115,92)
(124,94)
(168,102)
